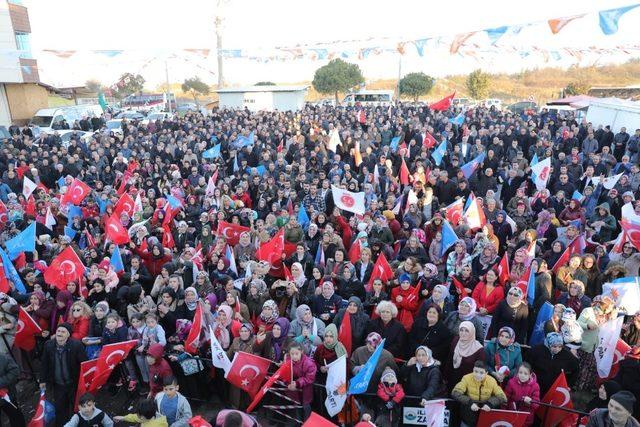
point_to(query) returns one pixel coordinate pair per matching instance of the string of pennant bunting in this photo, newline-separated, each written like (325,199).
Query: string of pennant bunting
(475,44)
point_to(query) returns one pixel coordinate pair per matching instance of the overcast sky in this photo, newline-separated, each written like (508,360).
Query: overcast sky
(154,31)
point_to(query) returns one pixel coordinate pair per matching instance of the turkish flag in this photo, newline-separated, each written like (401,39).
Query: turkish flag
(192,342)
(167,238)
(618,355)
(247,371)
(557,395)
(132,166)
(454,211)
(355,251)
(523,281)
(429,141)
(231,232)
(344,335)
(3,214)
(76,192)
(632,231)
(404,173)
(30,209)
(169,214)
(443,104)
(125,204)
(272,251)
(126,176)
(501,417)
(503,269)
(110,356)
(85,379)
(115,231)
(316,420)
(64,268)
(287,273)
(26,331)
(459,287)
(381,270)
(38,418)
(284,374)
(362,117)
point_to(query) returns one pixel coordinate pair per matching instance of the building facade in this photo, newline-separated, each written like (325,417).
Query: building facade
(20,92)
(256,98)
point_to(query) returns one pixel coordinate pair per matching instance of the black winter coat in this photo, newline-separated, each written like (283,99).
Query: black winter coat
(426,383)
(548,367)
(75,354)
(393,331)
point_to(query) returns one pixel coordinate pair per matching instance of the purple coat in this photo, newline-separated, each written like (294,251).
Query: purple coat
(304,374)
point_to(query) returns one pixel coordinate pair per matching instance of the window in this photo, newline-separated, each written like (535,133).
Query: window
(24,45)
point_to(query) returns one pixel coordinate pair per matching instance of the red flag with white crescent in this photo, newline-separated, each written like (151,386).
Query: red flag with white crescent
(557,395)
(115,231)
(381,270)
(64,268)
(247,371)
(26,331)
(344,335)
(38,418)
(231,232)
(503,269)
(192,342)
(429,141)
(76,192)
(85,379)
(110,356)
(125,204)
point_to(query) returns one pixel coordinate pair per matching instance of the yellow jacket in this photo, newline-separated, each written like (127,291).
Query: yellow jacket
(468,391)
(155,422)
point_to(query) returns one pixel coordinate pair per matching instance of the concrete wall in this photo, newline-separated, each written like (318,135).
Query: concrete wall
(10,71)
(5,114)
(25,100)
(285,101)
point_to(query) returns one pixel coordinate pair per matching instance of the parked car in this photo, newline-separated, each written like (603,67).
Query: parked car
(130,115)
(153,116)
(115,126)
(523,106)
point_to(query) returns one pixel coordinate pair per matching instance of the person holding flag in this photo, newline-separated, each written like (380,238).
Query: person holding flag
(476,392)
(551,358)
(358,322)
(302,379)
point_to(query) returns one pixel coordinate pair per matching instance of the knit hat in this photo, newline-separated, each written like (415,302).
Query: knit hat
(389,215)
(104,265)
(102,305)
(405,278)
(626,399)
(66,326)
(389,376)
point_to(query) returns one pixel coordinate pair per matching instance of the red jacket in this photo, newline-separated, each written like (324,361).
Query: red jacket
(80,327)
(153,264)
(516,390)
(159,370)
(408,306)
(489,302)
(395,392)
(304,374)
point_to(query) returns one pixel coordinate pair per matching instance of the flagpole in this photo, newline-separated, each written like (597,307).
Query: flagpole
(399,76)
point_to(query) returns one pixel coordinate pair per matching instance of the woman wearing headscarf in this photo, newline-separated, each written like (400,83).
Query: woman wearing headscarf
(429,330)
(441,298)
(357,318)
(553,254)
(519,265)
(546,230)
(388,327)
(486,259)
(465,351)
(327,304)
(244,250)
(255,298)
(273,345)
(458,258)
(243,342)
(60,312)
(267,317)
(605,391)
(575,297)
(550,359)
(467,311)
(488,293)
(503,355)
(307,330)
(406,299)
(422,376)
(361,355)
(297,273)
(594,283)
(203,284)
(40,309)
(467,280)
(502,230)
(571,213)
(590,320)
(512,312)
(240,310)
(543,284)
(570,272)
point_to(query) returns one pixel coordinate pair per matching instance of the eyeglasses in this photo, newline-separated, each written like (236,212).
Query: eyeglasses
(76,309)
(514,293)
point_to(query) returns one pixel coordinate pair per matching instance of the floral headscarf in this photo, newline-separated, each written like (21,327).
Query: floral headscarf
(274,311)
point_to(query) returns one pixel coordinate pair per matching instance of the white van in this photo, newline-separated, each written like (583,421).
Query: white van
(48,119)
(369,97)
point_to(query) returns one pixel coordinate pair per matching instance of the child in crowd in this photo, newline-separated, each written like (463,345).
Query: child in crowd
(153,333)
(391,393)
(521,390)
(136,332)
(89,415)
(173,405)
(158,369)
(146,415)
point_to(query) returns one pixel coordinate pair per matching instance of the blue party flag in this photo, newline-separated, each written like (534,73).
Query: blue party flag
(469,168)
(61,182)
(495,33)
(116,260)
(545,313)
(609,18)
(449,237)
(360,382)
(11,273)
(173,201)
(303,217)
(25,241)
(577,196)
(457,120)
(394,143)
(212,153)
(70,232)
(74,211)
(534,159)
(531,287)
(438,153)
(214,138)
(319,261)
(245,141)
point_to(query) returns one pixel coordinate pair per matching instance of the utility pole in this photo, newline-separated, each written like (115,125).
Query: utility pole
(166,72)
(399,77)
(218,22)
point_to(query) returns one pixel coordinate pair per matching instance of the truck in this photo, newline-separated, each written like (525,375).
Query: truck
(50,119)
(617,113)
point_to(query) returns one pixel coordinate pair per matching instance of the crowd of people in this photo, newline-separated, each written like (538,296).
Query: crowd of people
(431,315)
